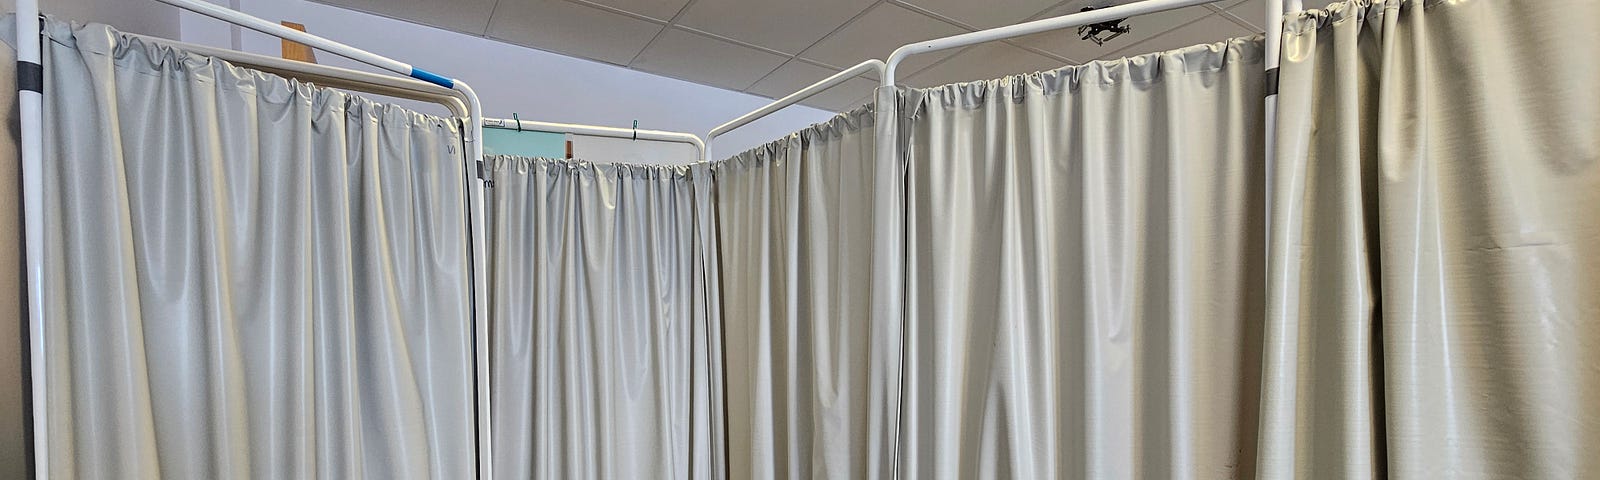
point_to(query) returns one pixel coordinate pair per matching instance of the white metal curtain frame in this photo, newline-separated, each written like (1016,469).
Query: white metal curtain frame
(599,131)
(886,69)
(30,80)
(1276,10)
(388,85)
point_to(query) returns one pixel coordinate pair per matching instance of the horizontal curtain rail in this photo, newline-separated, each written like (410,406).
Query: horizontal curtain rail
(1028,28)
(599,131)
(869,66)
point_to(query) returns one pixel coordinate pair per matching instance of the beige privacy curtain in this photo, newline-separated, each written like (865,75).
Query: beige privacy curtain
(811,354)
(250,277)
(598,308)
(1085,270)
(1436,248)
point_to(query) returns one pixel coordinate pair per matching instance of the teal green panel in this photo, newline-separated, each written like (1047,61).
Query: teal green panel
(527,143)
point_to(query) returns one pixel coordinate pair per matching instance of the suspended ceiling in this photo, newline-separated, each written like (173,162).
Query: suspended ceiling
(774,47)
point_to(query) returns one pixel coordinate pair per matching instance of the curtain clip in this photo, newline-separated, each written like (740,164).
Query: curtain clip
(517,119)
(635,130)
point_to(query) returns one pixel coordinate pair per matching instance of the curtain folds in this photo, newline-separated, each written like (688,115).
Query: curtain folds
(1434,248)
(251,277)
(811,346)
(1091,272)
(1085,270)
(598,307)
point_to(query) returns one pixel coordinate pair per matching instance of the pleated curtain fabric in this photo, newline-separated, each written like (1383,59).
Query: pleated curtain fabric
(598,311)
(249,277)
(1085,270)
(807,274)
(1435,248)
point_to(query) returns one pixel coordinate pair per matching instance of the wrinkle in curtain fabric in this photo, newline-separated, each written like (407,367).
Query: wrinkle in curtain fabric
(1085,270)
(811,346)
(251,277)
(598,309)
(1435,247)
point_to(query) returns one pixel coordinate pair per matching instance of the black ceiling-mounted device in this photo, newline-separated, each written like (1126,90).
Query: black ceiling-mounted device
(1102,32)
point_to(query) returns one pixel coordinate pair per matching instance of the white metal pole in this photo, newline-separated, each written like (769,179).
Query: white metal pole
(244,20)
(1274,44)
(598,131)
(480,276)
(30,104)
(1011,31)
(793,98)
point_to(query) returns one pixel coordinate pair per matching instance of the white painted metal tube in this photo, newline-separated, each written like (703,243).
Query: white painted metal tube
(610,132)
(876,66)
(389,85)
(480,273)
(30,106)
(1012,31)
(244,20)
(1274,41)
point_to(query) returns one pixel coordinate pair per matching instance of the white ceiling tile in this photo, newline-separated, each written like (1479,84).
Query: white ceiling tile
(468,16)
(789,78)
(983,62)
(985,13)
(878,32)
(795,75)
(700,59)
(1068,43)
(845,96)
(1211,29)
(572,29)
(783,25)
(1252,11)
(662,10)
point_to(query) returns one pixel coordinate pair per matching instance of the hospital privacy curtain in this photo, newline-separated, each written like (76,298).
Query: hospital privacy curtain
(1435,248)
(1085,270)
(599,306)
(808,281)
(249,277)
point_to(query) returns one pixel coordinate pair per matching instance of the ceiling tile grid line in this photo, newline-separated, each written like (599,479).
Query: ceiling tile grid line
(1043,14)
(797,57)
(495,8)
(1064,60)
(798,60)
(1124,51)
(1235,19)
(617,11)
(1224,13)
(1140,47)
(734,41)
(670,24)
(766,47)
(936,15)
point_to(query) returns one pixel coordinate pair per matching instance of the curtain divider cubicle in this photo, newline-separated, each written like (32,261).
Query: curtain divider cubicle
(887,114)
(30,101)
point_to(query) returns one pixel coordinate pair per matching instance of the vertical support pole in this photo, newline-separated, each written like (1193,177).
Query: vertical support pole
(1274,46)
(30,104)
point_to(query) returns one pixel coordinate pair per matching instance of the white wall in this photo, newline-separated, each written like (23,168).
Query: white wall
(134,16)
(537,85)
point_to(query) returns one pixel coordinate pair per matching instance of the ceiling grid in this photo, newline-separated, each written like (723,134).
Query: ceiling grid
(773,47)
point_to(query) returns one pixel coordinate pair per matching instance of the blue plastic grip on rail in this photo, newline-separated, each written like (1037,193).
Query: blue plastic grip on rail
(431,77)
